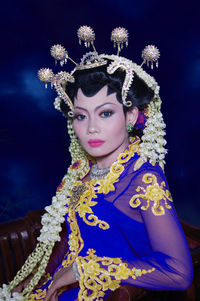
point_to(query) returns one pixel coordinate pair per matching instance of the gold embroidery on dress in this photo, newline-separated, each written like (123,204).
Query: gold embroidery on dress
(80,201)
(87,200)
(103,186)
(84,208)
(152,193)
(38,295)
(107,184)
(75,240)
(98,274)
(75,246)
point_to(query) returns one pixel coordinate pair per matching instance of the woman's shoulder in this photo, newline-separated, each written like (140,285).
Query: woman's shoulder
(137,167)
(148,188)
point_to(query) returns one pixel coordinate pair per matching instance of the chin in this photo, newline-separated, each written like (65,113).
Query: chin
(97,151)
(97,154)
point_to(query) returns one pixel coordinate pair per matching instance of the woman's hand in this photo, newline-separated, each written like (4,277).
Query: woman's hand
(61,278)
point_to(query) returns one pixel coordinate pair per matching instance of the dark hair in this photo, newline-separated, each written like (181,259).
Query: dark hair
(92,80)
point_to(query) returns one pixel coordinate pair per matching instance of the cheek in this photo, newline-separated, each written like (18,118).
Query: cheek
(77,129)
(118,127)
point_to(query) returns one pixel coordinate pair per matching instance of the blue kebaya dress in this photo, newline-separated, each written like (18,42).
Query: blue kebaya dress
(123,229)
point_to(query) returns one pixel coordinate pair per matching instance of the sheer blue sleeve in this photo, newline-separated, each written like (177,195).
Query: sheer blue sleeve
(148,199)
(166,264)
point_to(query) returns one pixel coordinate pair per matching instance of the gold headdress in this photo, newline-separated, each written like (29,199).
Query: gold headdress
(92,59)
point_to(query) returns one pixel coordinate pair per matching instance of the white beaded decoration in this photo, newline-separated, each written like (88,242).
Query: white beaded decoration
(59,53)
(151,54)
(119,36)
(45,75)
(86,34)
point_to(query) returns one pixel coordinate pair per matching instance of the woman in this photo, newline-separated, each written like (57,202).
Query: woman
(122,225)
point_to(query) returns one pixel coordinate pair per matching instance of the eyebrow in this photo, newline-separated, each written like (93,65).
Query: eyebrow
(98,107)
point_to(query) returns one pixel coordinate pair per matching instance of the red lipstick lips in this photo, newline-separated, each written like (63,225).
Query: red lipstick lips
(95,142)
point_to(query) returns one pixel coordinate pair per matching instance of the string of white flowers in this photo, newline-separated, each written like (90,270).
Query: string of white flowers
(152,145)
(51,221)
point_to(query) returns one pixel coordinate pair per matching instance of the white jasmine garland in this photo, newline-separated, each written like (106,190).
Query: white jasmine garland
(5,294)
(152,145)
(57,102)
(51,221)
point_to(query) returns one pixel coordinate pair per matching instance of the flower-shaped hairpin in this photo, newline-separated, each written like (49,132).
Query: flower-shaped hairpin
(119,36)
(87,35)
(150,54)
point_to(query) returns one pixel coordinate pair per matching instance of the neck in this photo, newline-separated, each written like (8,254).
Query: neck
(97,173)
(108,160)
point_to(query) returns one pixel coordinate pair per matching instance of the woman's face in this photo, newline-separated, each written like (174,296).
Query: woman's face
(100,125)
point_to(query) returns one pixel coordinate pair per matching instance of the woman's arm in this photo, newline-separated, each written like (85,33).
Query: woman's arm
(170,252)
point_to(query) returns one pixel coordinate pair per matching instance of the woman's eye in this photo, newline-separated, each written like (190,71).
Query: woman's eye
(79,117)
(106,114)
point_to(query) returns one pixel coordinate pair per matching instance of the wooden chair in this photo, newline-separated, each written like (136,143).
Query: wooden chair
(18,239)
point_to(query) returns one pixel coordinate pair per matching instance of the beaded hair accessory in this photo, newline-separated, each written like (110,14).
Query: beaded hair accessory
(152,144)
(92,60)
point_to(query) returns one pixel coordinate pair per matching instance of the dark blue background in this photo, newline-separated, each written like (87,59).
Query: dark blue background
(33,135)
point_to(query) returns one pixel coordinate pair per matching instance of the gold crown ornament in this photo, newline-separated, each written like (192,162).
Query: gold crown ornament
(92,60)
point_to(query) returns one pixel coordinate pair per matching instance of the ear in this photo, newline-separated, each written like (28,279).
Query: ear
(132,116)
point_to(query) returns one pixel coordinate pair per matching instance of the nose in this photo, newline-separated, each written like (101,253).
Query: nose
(93,126)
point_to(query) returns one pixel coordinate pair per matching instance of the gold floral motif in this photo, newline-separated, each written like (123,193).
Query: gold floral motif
(93,187)
(107,184)
(38,295)
(152,193)
(84,208)
(130,152)
(98,274)
(75,240)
